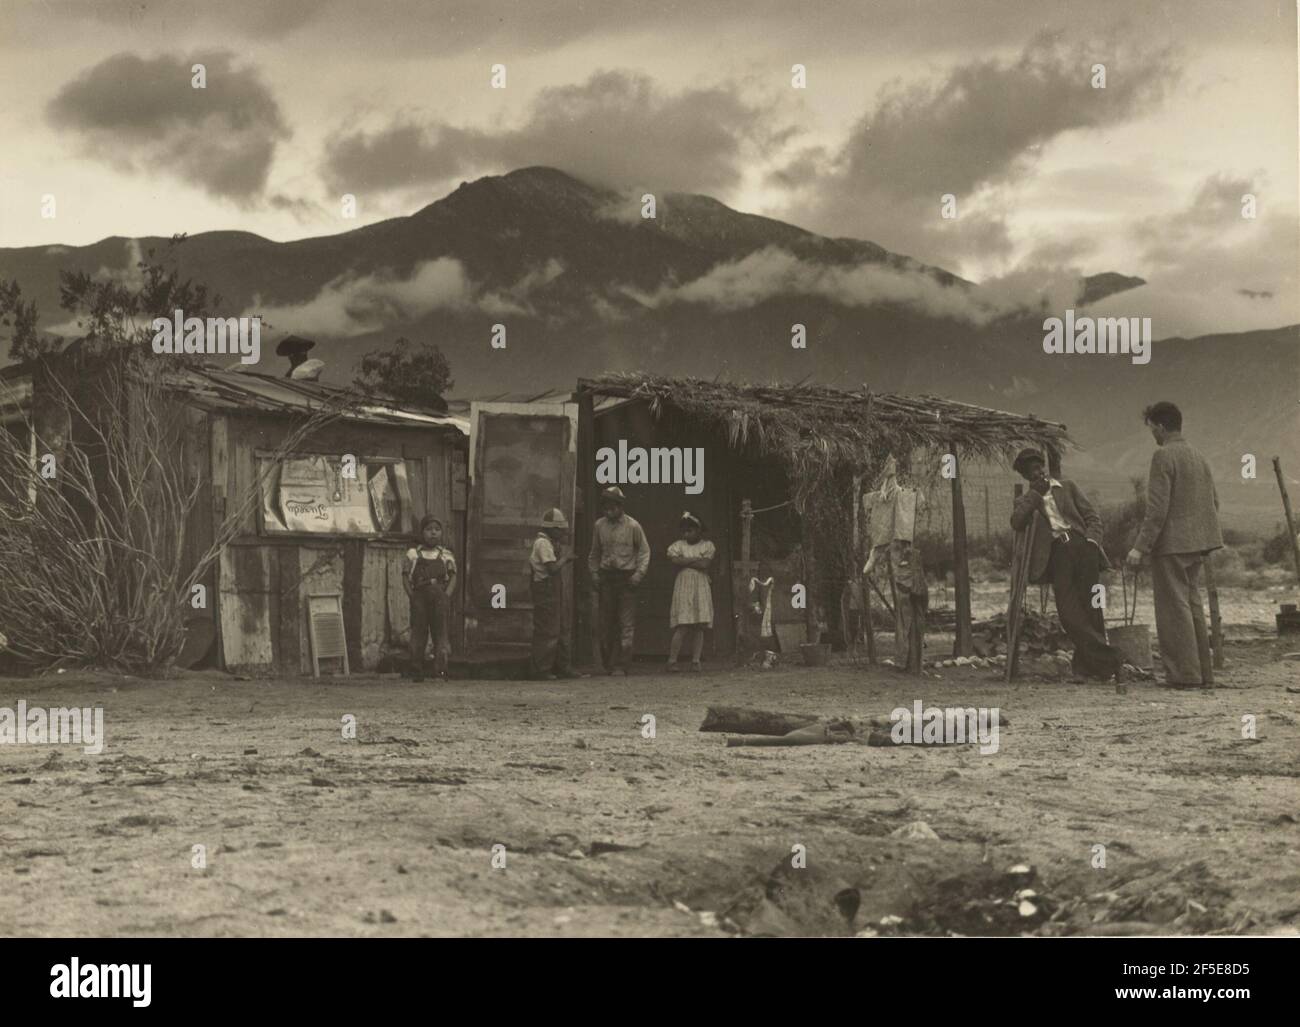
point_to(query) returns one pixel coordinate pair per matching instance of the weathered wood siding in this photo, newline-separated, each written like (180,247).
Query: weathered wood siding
(264,579)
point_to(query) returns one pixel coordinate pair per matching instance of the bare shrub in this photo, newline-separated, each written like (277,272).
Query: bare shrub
(96,560)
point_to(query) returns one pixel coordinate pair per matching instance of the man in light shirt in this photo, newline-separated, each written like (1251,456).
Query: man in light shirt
(1067,553)
(620,556)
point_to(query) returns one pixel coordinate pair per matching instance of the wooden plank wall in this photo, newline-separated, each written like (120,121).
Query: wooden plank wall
(263,580)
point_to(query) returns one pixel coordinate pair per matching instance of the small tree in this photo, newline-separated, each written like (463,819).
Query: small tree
(20,317)
(410,373)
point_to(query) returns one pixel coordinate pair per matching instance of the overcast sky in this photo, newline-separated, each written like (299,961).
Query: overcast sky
(391,100)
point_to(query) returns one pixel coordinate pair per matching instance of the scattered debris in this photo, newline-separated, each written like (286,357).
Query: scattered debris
(599,848)
(917,830)
(388,740)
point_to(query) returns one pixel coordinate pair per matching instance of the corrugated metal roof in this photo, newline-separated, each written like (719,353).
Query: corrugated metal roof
(247,390)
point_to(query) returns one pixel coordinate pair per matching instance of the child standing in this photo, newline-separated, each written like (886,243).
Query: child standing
(546,575)
(430,582)
(692,609)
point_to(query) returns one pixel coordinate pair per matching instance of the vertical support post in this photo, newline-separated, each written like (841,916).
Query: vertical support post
(586,648)
(219,465)
(855,563)
(960,567)
(1017,491)
(741,572)
(988,529)
(1286,509)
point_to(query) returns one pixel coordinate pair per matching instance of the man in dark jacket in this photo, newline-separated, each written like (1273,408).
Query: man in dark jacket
(1067,552)
(1180,528)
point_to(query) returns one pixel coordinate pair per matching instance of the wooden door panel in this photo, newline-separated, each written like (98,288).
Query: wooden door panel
(523,460)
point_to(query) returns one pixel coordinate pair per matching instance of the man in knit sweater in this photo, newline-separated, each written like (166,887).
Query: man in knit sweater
(1181,527)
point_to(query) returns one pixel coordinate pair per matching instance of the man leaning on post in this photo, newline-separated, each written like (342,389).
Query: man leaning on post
(620,556)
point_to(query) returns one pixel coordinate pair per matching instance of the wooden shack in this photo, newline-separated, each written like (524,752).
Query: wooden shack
(784,467)
(332,518)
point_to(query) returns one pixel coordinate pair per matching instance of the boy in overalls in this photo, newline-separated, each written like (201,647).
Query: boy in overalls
(430,582)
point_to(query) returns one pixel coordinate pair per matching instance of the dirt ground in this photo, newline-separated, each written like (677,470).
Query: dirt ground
(607,832)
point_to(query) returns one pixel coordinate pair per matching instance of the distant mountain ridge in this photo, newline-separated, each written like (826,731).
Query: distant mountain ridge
(583,283)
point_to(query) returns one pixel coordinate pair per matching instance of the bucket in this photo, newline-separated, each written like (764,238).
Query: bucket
(1134,641)
(816,654)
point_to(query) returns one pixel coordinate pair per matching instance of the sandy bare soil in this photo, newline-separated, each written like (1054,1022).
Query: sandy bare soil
(607,832)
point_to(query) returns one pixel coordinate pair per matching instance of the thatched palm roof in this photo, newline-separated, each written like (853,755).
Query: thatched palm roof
(816,430)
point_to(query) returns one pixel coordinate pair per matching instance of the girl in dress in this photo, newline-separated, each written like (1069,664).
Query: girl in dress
(692,609)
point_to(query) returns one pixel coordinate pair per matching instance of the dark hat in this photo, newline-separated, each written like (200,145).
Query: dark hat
(428,519)
(1024,456)
(613,494)
(292,345)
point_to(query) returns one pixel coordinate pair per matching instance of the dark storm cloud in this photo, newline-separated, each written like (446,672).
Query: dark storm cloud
(1209,239)
(143,114)
(616,128)
(983,120)
(979,126)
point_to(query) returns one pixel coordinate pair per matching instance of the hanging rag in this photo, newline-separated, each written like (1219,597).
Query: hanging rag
(760,594)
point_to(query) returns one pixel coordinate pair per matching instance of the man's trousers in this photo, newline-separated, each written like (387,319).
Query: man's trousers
(550,640)
(1074,569)
(617,618)
(1180,619)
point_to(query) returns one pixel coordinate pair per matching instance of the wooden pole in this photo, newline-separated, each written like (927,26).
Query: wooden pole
(746,523)
(855,564)
(1019,585)
(585,611)
(742,572)
(1017,491)
(1286,508)
(988,530)
(961,645)
(1216,624)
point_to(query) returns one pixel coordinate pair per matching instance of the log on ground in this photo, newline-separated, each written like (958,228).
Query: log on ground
(741,721)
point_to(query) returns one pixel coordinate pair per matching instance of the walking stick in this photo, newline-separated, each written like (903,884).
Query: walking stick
(1216,623)
(1130,615)
(1019,582)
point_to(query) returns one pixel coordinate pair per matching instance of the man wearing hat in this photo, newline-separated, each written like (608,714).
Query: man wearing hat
(550,640)
(1067,553)
(620,556)
(296,348)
